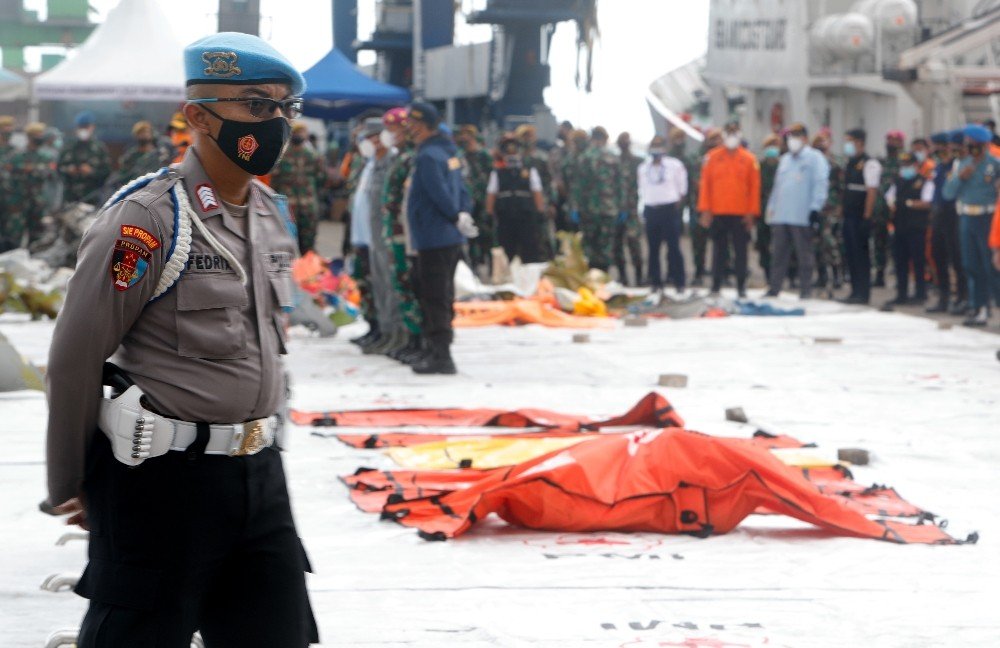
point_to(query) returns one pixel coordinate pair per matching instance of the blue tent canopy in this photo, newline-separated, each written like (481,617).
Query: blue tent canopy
(337,90)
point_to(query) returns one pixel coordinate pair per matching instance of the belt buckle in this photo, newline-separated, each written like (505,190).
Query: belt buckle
(250,440)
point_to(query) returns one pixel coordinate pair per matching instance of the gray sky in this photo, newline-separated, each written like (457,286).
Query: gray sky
(640,40)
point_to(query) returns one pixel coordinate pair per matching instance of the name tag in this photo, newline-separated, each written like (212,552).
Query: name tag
(277,261)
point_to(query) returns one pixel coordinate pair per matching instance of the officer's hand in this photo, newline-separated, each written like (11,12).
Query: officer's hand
(76,511)
(705,220)
(574,217)
(466,225)
(622,217)
(996,259)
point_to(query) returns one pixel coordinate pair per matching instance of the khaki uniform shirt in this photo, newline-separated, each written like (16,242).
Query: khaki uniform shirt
(205,351)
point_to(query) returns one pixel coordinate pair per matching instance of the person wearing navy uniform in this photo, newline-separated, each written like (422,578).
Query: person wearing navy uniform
(972,184)
(438,210)
(182,283)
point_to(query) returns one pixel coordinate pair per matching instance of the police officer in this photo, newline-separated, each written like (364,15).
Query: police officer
(437,209)
(514,202)
(909,199)
(972,183)
(182,281)
(862,175)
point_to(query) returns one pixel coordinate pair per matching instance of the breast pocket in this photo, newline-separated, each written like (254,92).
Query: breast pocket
(283,299)
(209,322)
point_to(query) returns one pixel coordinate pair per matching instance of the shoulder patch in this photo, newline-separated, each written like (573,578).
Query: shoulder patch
(206,197)
(139,234)
(129,263)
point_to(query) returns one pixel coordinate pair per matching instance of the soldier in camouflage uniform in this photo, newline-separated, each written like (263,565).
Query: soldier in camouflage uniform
(628,230)
(145,156)
(27,170)
(699,234)
(539,161)
(84,164)
(396,231)
(601,200)
(894,141)
(478,162)
(572,173)
(829,260)
(768,169)
(301,175)
(6,151)
(6,130)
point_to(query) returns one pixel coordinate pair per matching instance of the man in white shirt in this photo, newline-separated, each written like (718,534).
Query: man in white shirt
(514,199)
(663,183)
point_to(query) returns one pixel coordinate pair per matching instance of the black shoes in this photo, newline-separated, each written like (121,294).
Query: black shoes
(435,363)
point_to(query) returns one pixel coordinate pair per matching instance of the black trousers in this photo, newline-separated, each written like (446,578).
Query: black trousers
(857,233)
(520,235)
(947,253)
(908,250)
(725,231)
(436,285)
(187,542)
(664,225)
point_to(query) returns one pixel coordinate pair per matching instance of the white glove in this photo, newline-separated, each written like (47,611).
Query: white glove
(466,225)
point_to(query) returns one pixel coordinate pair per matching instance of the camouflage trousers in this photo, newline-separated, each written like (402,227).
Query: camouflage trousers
(827,245)
(402,283)
(880,239)
(629,234)
(598,238)
(479,247)
(305,222)
(362,274)
(15,222)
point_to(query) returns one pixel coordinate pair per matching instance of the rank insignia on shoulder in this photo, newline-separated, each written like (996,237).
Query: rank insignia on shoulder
(141,235)
(128,264)
(454,164)
(206,197)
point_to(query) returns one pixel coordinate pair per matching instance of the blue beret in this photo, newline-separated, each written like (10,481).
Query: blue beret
(977,133)
(957,136)
(84,119)
(940,138)
(238,59)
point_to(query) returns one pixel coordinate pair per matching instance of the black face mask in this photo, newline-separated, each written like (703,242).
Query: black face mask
(298,140)
(144,141)
(254,147)
(975,150)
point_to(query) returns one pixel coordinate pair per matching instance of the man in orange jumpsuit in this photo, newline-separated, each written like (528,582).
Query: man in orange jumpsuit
(729,202)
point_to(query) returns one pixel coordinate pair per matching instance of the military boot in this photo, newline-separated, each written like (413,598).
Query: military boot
(437,362)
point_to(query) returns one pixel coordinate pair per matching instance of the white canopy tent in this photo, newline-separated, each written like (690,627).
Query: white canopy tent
(132,56)
(12,86)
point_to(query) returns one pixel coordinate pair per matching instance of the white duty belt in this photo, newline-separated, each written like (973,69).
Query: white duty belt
(974,210)
(137,434)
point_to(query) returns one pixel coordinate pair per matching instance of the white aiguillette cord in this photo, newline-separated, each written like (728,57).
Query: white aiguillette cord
(214,243)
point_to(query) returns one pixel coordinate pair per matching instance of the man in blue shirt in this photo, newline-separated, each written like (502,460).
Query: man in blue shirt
(439,213)
(800,188)
(944,232)
(973,186)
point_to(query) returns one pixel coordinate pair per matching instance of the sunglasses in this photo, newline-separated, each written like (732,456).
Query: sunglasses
(263,107)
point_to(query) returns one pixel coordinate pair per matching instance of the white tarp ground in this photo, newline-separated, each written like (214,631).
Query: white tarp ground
(924,401)
(132,56)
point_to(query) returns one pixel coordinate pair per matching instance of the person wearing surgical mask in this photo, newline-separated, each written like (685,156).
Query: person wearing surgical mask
(768,160)
(793,210)
(301,176)
(515,203)
(84,163)
(729,202)
(909,199)
(862,175)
